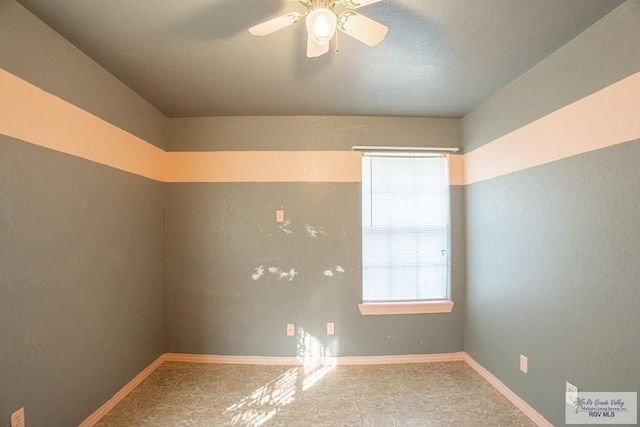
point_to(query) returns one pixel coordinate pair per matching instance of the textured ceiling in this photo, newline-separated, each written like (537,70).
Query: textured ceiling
(196,57)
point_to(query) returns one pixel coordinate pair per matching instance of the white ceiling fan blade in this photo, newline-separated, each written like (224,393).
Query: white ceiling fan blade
(361,28)
(354,4)
(314,49)
(275,24)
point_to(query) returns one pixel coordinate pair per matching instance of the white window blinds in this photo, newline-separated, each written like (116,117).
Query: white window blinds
(405,227)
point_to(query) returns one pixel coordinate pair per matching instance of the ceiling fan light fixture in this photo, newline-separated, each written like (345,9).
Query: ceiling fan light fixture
(322,22)
(321,25)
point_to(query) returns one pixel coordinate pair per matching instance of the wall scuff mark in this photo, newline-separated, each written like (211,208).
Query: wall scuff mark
(314,232)
(258,273)
(289,275)
(274,271)
(285,227)
(337,270)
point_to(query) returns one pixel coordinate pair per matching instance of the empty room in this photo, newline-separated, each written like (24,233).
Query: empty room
(319,212)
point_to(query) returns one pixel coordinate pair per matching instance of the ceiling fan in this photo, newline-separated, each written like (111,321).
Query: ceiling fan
(322,22)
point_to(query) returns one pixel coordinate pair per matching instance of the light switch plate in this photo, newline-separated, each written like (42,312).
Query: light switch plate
(524,363)
(17,418)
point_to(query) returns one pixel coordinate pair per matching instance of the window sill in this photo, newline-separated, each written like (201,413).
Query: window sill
(422,307)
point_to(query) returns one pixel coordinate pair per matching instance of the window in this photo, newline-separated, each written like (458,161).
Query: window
(405,233)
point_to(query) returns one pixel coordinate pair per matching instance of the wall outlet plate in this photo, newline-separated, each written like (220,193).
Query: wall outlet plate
(571,393)
(331,328)
(291,329)
(17,418)
(280,215)
(524,363)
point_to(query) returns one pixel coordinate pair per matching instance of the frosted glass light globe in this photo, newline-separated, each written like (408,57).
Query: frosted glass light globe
(321,25)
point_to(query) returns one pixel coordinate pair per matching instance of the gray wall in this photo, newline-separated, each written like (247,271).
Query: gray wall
(34,52)
(80,245)
(552,251)
(217,234)
(603,54)
(80,282)
(289,133)
(553,274)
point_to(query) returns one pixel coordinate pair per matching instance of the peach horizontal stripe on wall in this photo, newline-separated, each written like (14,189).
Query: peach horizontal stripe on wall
(608,117)
(32,115)
(28,113)
(456,169)
(264,166)
(277,166)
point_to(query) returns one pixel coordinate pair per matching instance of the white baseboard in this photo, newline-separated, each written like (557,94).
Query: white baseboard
(333,361)
(124,391)
(231,360)
(506,392)
(399,359)
(294,361)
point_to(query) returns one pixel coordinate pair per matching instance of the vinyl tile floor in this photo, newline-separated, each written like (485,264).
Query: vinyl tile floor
(429,394)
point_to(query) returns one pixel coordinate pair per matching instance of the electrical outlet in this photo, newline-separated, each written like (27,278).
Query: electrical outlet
(280,215)
(571,393)
(331,328)
(291,329)
(524,363)
(17,418)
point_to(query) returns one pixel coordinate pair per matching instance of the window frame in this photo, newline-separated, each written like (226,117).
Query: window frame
(444,305)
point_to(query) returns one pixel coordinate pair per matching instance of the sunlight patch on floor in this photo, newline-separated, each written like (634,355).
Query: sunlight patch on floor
(265,402)
(315,357)
(260,406)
